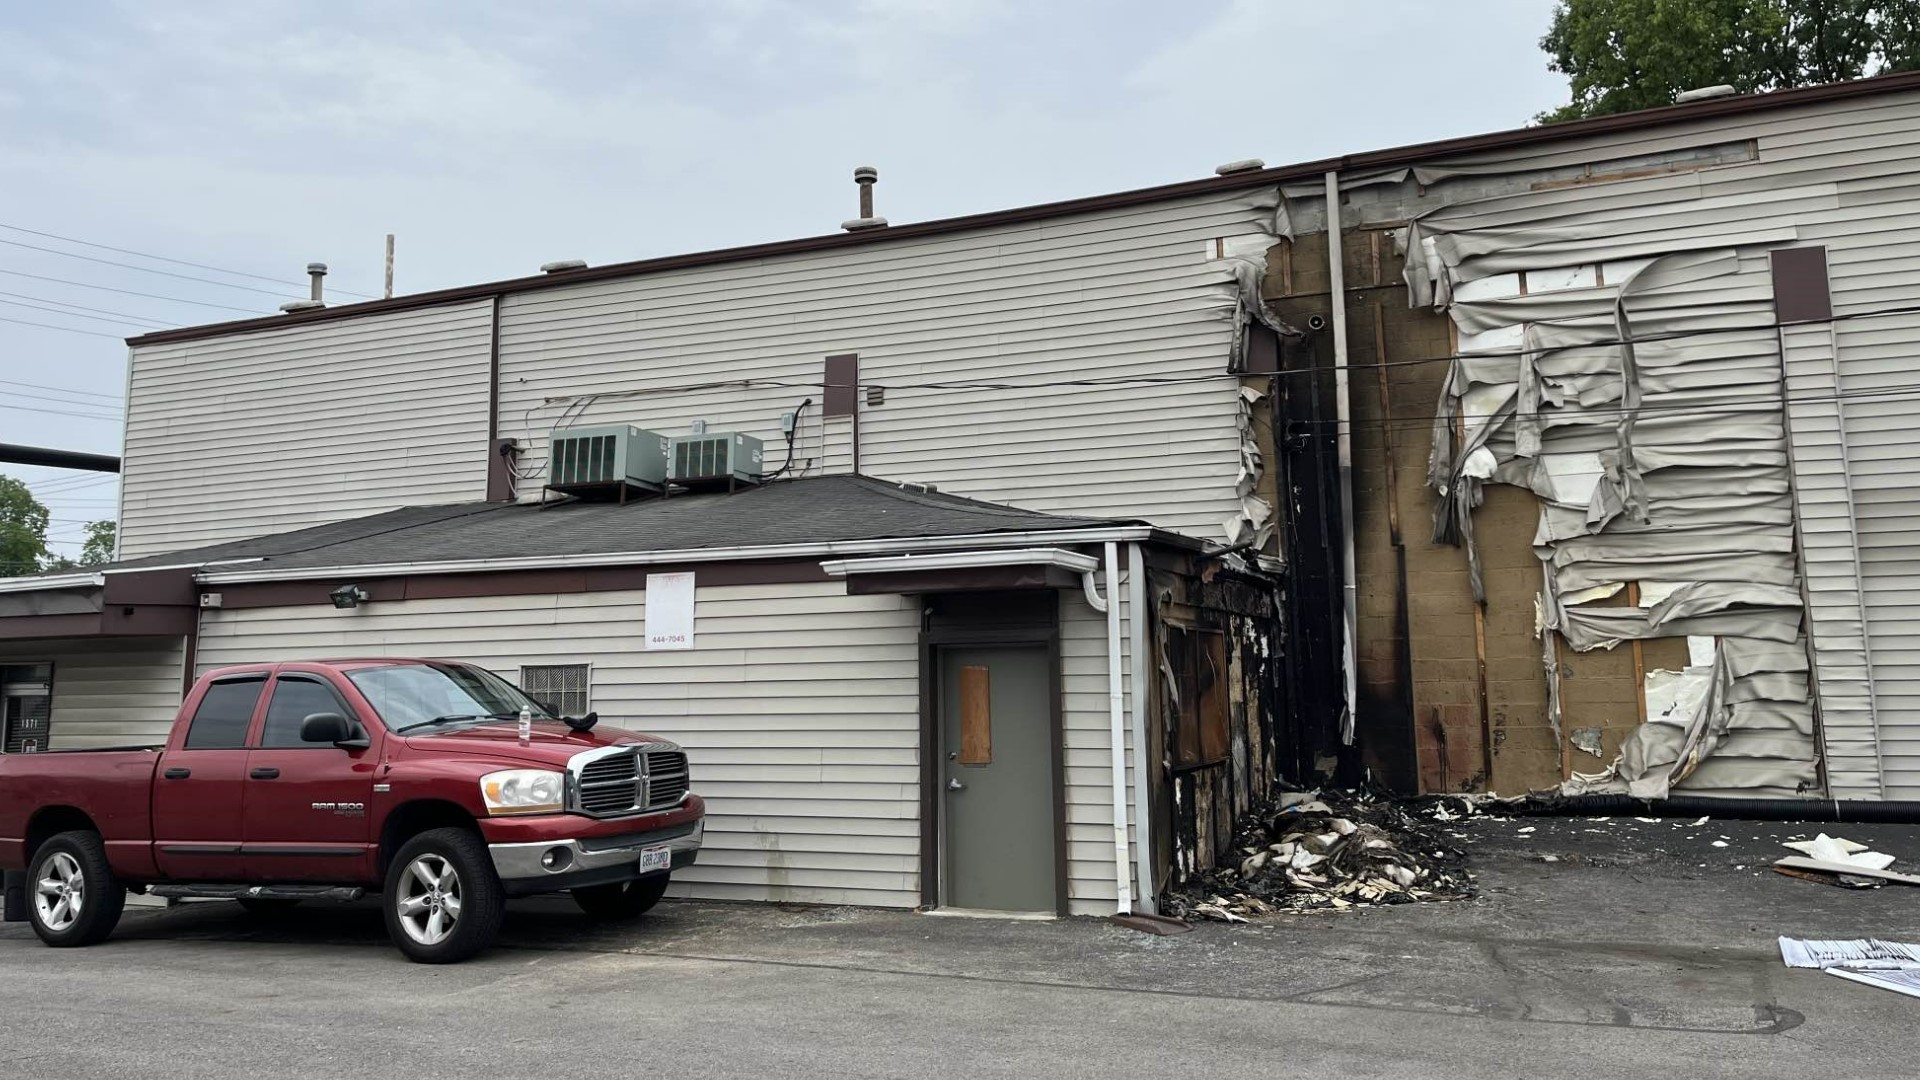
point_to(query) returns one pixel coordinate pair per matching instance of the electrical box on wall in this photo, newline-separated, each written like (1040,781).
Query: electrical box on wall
(714,458)
(607,459)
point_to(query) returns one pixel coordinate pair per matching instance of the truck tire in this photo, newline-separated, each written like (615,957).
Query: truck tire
(73,897)
(443,901)
(622,900)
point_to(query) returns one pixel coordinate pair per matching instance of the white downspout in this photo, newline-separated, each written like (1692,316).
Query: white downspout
(1139,666)
(1117,733)
(1343,412)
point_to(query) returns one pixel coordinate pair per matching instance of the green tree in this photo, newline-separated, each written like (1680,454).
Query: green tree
(23,529)
(101,537)
(1622,55)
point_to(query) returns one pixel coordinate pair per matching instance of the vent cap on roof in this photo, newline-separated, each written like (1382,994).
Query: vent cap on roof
(866,176)
(563,266)
(1243,165)
(1705,93)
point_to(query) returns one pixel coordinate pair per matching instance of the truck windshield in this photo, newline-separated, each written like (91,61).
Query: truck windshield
(418,695)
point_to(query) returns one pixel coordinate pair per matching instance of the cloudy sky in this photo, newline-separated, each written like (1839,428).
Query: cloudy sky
(255,136)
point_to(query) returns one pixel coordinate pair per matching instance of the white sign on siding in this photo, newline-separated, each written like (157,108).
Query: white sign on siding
(669,611)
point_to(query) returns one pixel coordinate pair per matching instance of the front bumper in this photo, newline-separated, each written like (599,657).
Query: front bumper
(596,860)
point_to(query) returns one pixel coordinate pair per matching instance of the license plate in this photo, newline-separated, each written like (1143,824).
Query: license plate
(658,857)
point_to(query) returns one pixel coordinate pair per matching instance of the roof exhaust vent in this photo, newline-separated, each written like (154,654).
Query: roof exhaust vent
(1705,93)
(866,176)
(1243,165)
(563,266)
(317,272)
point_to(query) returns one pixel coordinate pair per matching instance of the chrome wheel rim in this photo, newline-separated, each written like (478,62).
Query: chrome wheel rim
(60,892)
(428,899)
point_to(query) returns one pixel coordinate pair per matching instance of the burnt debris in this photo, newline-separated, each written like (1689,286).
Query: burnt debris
(1322,851)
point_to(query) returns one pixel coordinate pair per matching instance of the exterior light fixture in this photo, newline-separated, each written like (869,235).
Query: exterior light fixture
(348,596)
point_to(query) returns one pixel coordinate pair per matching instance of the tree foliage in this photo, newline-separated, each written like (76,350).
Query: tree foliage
(101,538)
(1622,55)
(23,535)
(23,529)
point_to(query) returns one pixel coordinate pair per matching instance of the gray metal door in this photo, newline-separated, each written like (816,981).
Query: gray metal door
(997,829)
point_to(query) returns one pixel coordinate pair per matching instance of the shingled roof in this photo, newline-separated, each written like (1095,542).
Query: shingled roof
(822,509)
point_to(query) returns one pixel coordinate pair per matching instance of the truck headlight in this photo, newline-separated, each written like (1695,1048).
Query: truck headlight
(522,791)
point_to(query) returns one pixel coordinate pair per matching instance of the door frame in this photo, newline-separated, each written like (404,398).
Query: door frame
(932,641)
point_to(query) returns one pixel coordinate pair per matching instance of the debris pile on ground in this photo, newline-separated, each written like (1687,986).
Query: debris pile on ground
(1888,965)
(1313,851)
(1835,860)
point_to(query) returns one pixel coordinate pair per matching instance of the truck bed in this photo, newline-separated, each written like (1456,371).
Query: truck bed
(112,788)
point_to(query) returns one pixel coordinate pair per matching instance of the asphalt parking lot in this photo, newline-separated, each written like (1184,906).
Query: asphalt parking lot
(1630,947)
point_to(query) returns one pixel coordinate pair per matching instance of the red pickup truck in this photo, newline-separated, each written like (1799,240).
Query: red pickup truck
(439,785)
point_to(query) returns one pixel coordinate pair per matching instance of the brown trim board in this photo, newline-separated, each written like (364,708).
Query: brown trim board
(1389,158)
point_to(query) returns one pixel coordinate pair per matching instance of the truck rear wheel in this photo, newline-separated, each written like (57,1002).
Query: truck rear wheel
(73,897)
(443,901)
(622,900)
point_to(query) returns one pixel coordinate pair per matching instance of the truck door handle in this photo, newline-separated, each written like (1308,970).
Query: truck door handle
(177,773)
(265,774)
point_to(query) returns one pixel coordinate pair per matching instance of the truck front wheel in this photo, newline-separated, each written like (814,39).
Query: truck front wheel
(443,900)
(73,897)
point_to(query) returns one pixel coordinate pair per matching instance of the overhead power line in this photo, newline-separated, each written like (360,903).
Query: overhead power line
(115,418)
(115,398)
(68,329)
(164,258)
(83,307)
(114,319)
(146,269)
(63,401)
(131,292)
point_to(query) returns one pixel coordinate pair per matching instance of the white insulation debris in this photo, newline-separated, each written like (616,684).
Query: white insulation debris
(1615,359)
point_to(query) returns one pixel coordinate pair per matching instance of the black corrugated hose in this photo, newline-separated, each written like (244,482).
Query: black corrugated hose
(1689,806)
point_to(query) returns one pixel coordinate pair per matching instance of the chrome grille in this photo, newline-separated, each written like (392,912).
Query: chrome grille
(667,778)
(629,780)
(609,785)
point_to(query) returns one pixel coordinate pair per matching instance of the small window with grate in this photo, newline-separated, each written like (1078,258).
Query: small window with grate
(562,688)
(26,707)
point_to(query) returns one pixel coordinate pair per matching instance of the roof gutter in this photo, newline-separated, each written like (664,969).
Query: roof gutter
(52,581)
(848,548)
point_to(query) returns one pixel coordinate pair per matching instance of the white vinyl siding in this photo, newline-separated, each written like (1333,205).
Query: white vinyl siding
(121,692)
(237,436)
(799,707)
(1104,296)
(1086,720)
(1876,363)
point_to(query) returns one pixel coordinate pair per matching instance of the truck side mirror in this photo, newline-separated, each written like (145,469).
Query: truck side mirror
(327,727)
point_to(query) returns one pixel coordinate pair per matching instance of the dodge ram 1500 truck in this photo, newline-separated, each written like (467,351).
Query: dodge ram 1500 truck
(439,785)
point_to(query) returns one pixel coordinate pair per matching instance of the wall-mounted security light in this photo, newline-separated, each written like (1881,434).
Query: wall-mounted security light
(348,596)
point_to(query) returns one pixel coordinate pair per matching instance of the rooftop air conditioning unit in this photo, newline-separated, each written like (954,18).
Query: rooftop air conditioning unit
(610,459)
(714,459)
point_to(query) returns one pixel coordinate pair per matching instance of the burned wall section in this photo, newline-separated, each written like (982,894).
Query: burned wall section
(1451,699)
(1216,717)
